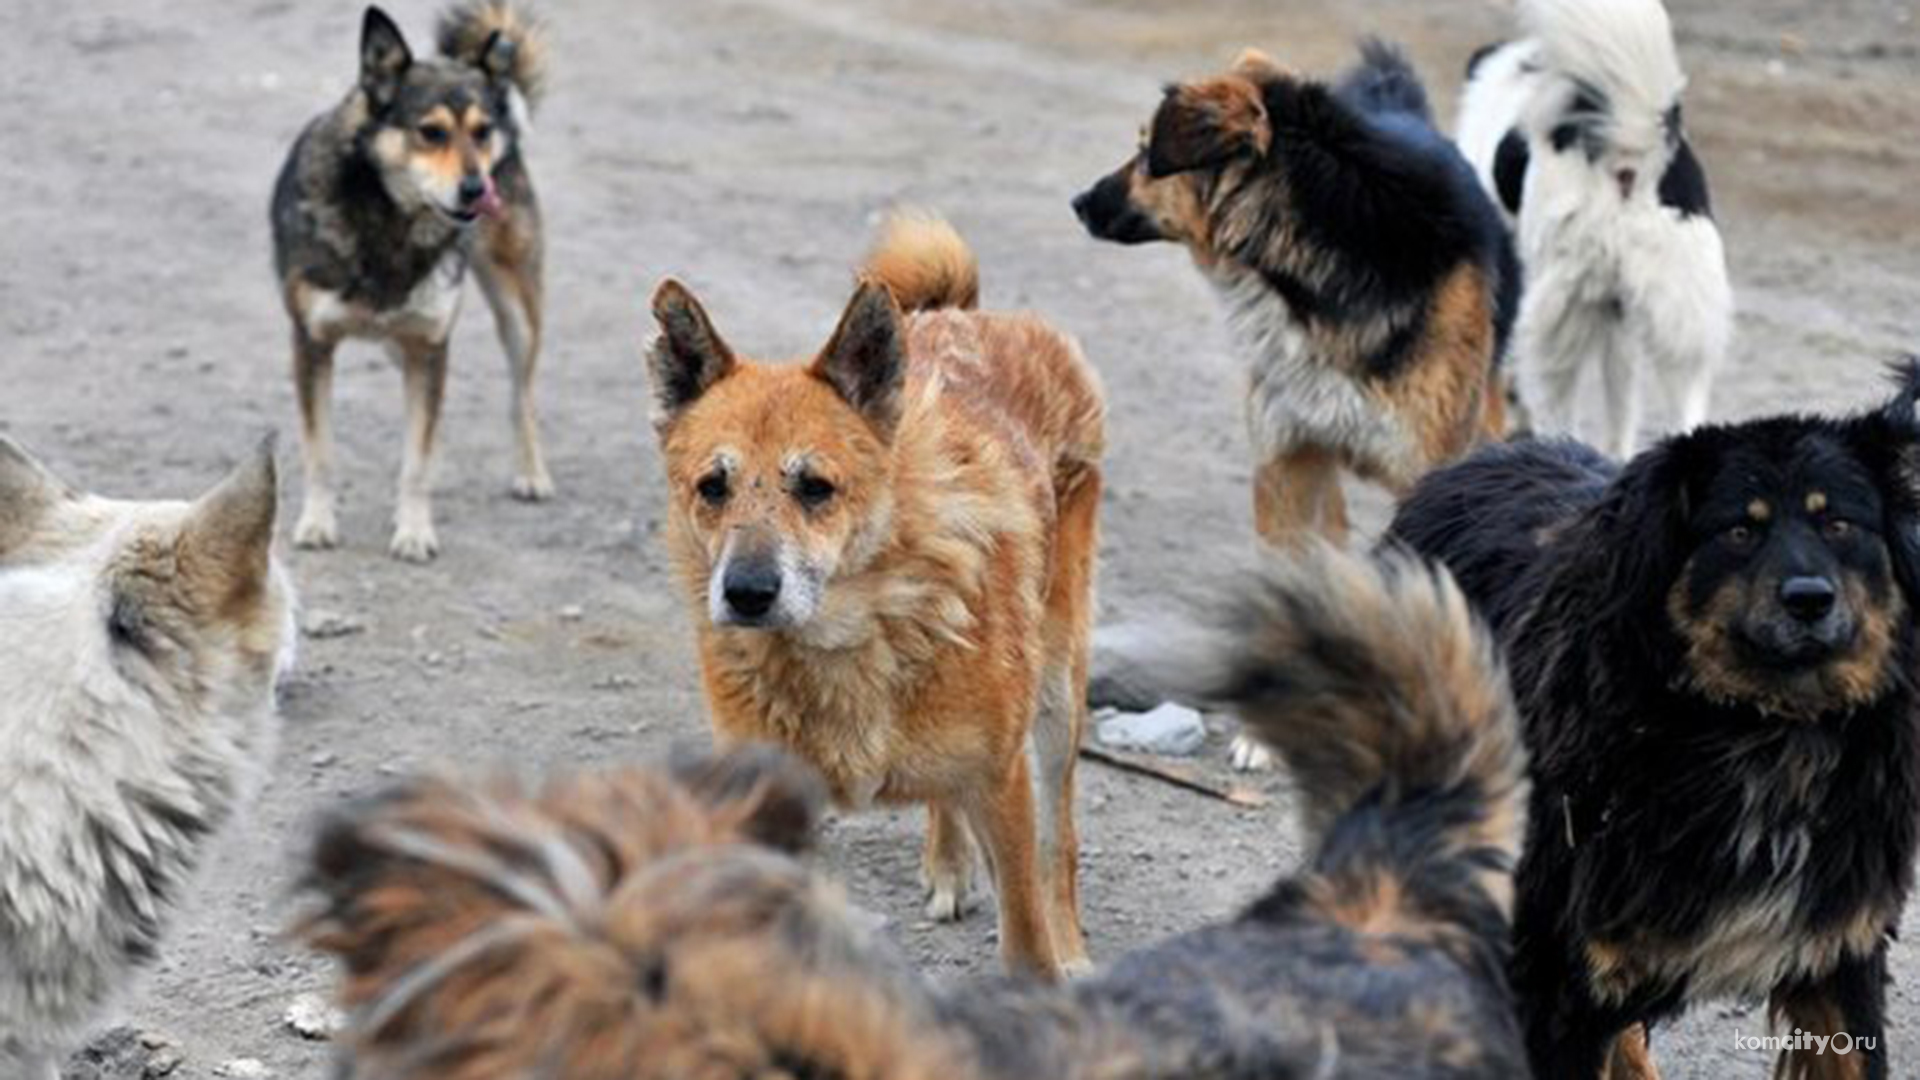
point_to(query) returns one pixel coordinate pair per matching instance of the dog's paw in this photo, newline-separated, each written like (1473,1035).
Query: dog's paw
(317,529)
(1248,755)
(415,545)
(1075,967)
(947,901)
(533,487)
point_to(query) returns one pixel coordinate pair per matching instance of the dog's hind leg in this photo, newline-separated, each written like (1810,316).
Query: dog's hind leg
(1003,821)
(1061,717)
(313,384)
(1847,1006)
(946,868)
(423,368)
(1631,1057)
(1621,374)
(1296,496)
(508,269)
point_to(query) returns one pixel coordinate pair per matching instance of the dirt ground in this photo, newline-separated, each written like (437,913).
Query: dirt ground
(748,146)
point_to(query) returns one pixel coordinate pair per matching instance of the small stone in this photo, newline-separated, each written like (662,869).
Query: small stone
(321,624)
(313,1017)
(572,613)
(1172,730)
(243,1069)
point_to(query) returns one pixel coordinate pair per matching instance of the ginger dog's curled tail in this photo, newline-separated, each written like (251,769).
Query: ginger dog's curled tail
(498,37)
(924,263)
(1376,683)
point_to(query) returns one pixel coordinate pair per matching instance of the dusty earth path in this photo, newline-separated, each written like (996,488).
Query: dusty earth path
(748,145)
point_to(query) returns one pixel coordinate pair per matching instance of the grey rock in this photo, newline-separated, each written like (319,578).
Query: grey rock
(1171,729)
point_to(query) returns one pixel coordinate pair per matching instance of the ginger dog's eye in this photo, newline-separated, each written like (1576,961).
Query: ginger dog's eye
(812,491)
(712,488)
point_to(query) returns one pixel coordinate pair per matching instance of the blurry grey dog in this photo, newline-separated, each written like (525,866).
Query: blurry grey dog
(382,204)
(139,647)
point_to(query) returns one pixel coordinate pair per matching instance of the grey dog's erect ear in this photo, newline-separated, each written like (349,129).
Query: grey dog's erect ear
(688,357)
(27,488)
(229,530)
(384,57)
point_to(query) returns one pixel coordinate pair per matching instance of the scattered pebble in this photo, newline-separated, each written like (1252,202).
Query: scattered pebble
(1172,730)
(321,624)
(313,1017)
(572,613)
(243,1069)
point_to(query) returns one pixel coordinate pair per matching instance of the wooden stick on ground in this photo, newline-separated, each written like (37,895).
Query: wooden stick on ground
(1179,777)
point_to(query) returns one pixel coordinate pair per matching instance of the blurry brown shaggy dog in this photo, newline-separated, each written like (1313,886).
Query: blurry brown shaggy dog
(657,923)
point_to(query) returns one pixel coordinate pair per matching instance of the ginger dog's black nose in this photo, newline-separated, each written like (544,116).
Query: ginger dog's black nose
(751,588)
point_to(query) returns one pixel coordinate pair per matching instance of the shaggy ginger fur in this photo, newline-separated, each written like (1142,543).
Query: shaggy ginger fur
(890,551)
(659,925)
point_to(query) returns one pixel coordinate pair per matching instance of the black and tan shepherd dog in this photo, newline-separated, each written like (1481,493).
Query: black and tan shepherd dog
(1713,653)
(660,924)
(1367,279)
(383,203)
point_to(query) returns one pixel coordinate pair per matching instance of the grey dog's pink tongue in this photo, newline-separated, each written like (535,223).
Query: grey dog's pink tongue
(490,204)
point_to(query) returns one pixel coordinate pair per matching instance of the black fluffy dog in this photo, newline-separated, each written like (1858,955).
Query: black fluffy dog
(1713,653)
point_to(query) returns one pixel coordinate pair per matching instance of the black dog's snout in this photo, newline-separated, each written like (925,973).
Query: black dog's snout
(472,187)
(1081,204)
(1808,599)
(752,587)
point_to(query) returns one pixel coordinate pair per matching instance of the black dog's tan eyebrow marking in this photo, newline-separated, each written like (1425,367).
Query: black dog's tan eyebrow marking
(1760,510)
(1816,501)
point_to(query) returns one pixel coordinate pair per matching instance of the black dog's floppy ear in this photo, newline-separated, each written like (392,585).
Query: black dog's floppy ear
(1887,440)
(866,362)
(384,57)
(688,357)
(1643,522)
(1207,123)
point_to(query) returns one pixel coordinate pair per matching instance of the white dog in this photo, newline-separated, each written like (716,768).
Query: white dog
(139,647)
(1576,131)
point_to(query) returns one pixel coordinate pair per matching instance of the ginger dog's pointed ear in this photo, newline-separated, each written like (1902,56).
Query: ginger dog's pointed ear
(688,357)
(866,361)
(384,57)
(1207,123)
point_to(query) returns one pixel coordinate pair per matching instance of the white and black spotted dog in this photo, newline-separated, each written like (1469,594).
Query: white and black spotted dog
(1576,129)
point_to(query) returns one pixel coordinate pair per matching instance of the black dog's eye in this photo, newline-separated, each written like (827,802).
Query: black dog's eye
(1740,535)
(1837,528)
(482,132)
(713,488)
(434,134)
(812,491)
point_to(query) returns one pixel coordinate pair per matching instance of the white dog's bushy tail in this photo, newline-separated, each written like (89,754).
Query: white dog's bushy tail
(1621,50)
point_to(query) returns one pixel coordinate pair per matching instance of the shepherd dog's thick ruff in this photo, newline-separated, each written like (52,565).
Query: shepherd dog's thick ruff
(381,206)
(1713,652)
(139,647)
(1368,280)
(661,924)
(890,554)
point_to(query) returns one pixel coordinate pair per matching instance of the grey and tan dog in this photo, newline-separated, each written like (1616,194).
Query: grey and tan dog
(382,205)
(139,647)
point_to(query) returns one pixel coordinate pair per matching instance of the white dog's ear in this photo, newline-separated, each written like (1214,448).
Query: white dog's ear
(866,362)
(26,490)
(228,536)
(688,357)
